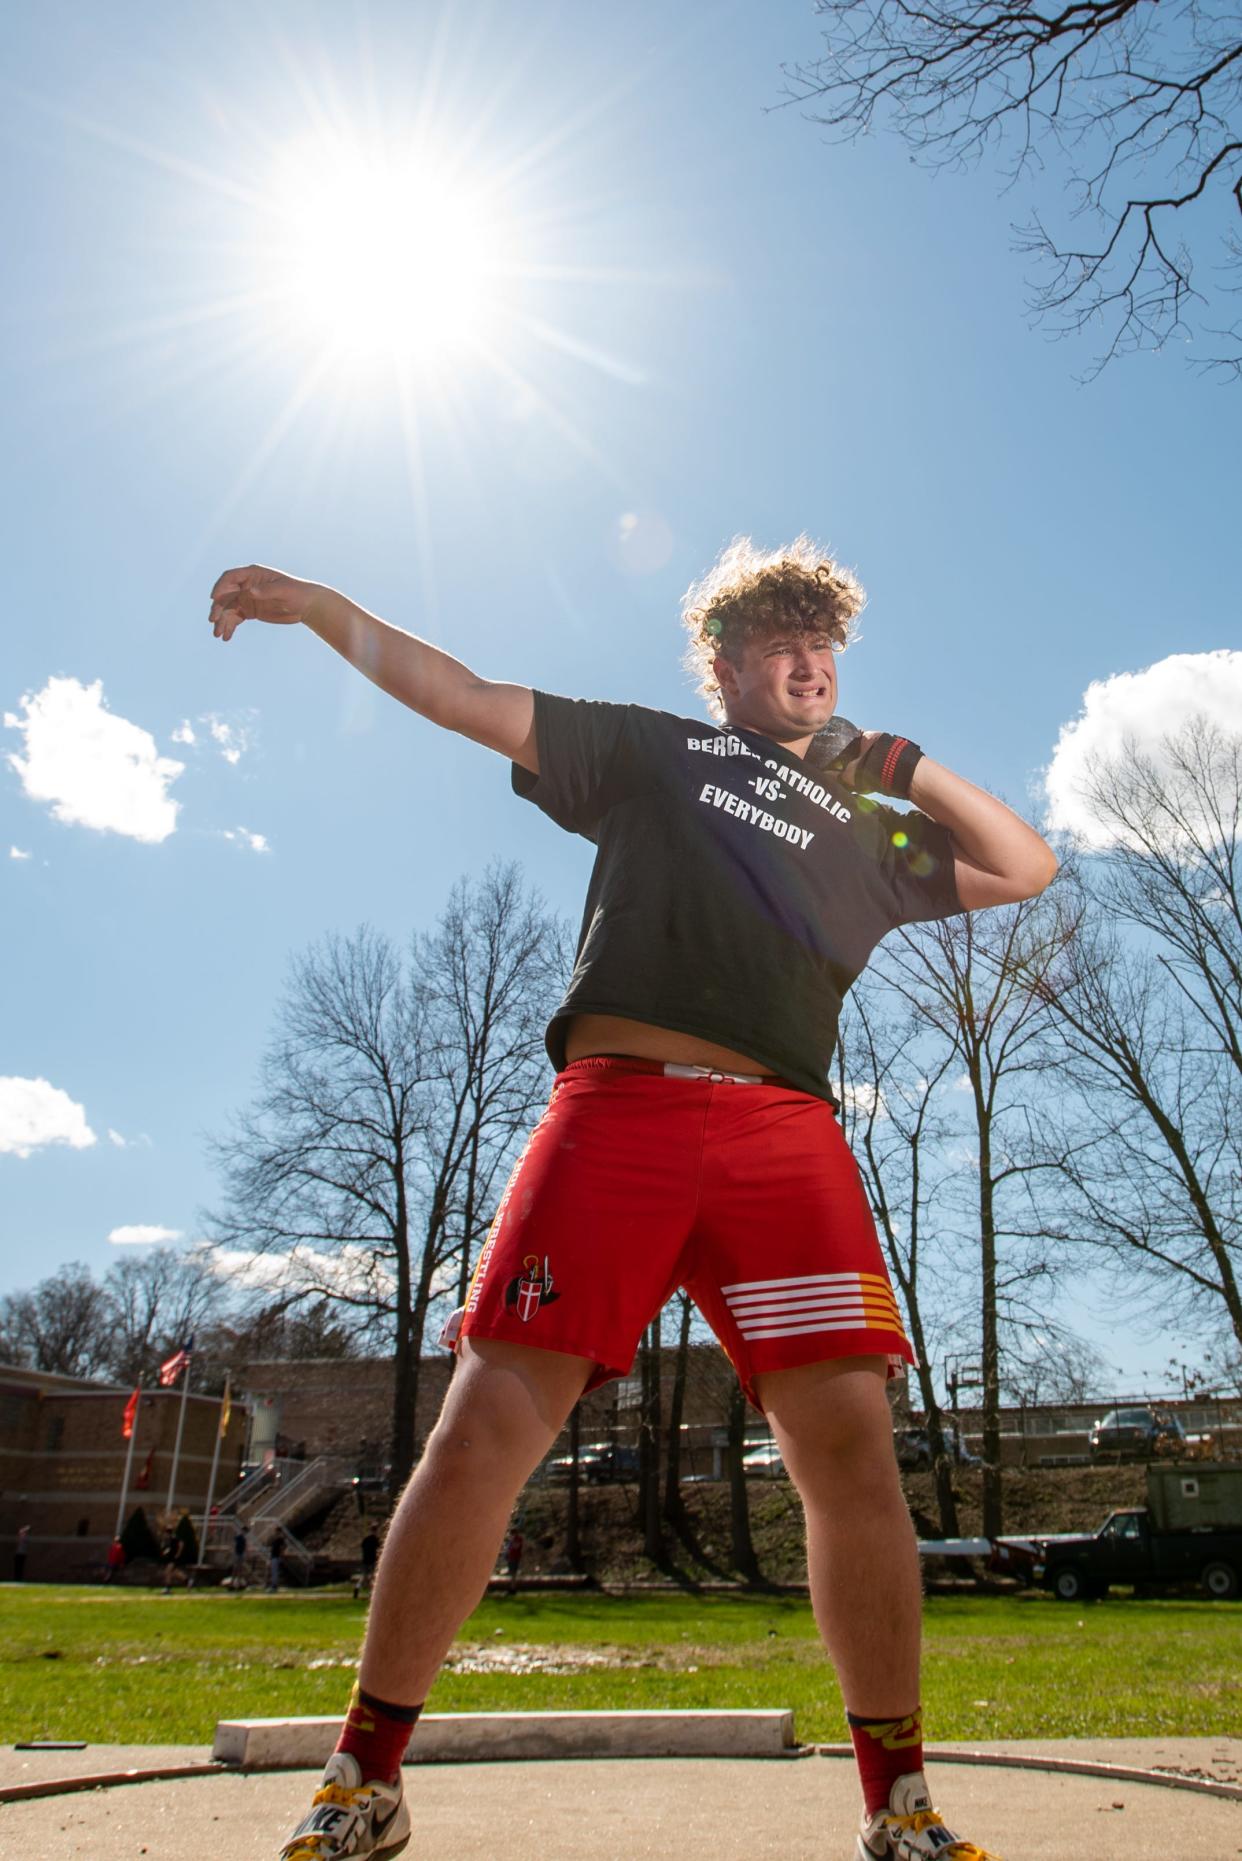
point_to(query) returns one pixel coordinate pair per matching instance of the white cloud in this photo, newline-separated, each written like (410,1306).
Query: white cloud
(138,1235)
(16,852)
(866,1100)
(258,843)
(231,739)
(1142,707)
(96,769)
(35,1114)
(141,1142)
(347,1269)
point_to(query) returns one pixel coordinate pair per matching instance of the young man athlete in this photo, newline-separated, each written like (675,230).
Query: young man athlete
(741,881)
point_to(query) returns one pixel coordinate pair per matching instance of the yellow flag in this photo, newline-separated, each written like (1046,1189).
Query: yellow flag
(226,1409)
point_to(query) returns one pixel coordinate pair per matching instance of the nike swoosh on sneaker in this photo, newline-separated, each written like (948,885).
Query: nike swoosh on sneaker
(378,1828)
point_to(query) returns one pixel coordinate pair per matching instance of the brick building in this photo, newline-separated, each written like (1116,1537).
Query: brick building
(62,1464)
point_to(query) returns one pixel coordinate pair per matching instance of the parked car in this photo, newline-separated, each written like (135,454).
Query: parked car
(763,1459)
(598,1463)
(1189,1532)
(1136,1434)
(914,1451)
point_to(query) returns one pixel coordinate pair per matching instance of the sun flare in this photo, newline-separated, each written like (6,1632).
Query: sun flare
(385,253)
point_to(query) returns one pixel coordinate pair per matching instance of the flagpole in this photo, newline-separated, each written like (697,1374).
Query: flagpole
(225,1410)
(172,1478)
(129,1461)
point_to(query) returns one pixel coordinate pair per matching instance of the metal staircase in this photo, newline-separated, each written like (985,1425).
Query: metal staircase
(264,1503)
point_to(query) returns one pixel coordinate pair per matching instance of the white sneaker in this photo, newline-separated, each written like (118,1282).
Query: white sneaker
(350,1817)
(911,1830)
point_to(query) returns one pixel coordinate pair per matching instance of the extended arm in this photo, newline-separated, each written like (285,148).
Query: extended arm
(998,858)
(429,681)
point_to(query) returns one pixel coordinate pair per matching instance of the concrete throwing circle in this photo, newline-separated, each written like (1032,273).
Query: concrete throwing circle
(632,1809)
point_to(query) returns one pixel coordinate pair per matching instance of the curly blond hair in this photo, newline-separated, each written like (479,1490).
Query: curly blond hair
(749,593)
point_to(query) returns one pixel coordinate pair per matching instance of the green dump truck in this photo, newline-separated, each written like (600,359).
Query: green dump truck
(1189,1532)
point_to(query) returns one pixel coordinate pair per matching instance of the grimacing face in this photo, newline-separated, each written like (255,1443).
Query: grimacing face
(783,685)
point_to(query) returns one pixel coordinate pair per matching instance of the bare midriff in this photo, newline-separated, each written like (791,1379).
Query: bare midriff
(588,1034)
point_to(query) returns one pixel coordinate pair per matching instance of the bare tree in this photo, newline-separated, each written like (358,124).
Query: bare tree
(895,1118)
(743,1555)
(1142,110)
(1158,1182)
(390,1107)
(674,1504)
(155,1301)
(278,1328)
(650,1363)
(1170,820)
(676,1513)
(573,1521)
(977,984)
(1147,997)
(60,1326)
(490,972)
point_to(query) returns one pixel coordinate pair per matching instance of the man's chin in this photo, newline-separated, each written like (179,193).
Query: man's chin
(792,728)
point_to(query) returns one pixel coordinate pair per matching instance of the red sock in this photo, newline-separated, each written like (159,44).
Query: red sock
(376,1733)
(886,1749)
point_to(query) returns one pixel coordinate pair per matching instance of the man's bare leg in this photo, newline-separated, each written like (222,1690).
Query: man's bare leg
(505,1406)
(835,1431)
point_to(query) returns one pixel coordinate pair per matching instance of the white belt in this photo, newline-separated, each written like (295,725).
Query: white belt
(674,1071)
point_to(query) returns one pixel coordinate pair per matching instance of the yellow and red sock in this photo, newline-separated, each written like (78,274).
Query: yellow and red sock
(886,1749)
(376,1733)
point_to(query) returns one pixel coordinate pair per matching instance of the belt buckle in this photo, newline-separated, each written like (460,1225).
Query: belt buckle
(673,1069)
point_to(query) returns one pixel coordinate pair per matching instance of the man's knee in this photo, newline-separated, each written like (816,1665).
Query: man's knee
(833,1423)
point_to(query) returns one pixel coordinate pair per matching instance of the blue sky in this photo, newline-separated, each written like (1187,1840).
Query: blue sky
(710,321)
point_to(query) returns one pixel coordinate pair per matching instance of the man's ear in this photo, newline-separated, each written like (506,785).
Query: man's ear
(726,675)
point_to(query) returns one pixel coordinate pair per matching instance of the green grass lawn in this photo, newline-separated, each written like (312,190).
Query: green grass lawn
(132,1666)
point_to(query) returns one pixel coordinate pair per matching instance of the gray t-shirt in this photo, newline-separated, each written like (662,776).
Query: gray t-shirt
(737,892)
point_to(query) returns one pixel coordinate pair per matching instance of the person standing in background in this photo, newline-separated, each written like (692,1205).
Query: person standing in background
(515,1544)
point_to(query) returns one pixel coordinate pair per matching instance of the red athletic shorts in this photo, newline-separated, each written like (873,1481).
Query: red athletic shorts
(635,1182)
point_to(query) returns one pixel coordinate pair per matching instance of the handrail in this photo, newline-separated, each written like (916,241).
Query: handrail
(272,1471)
(327,1470)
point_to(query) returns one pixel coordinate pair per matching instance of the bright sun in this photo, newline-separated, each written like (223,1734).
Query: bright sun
(385,254)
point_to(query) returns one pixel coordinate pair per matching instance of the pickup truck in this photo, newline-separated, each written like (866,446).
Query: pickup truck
(1189,1532)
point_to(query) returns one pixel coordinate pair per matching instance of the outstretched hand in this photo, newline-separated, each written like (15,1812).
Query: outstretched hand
(256,593)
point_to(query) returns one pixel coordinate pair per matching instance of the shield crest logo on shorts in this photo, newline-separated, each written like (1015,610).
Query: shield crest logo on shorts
(531,1288)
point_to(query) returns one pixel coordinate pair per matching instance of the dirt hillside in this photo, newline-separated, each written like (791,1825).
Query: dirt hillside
(1043,1499)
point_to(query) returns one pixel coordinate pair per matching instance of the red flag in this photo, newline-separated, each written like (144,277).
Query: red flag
(131,1410)
(144,1478)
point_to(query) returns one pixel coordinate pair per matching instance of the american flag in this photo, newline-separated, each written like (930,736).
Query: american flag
(179,1361)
